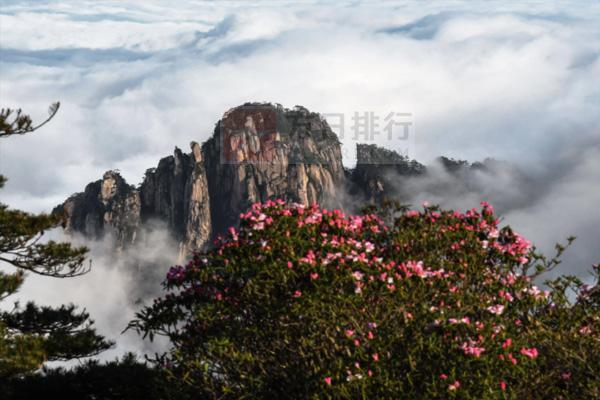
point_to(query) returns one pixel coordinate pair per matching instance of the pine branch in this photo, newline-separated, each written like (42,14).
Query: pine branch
(14,122)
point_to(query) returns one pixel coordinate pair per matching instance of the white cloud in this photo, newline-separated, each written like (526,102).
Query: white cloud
(154,76)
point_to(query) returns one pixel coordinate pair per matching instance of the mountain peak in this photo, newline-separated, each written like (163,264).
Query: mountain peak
(259,151)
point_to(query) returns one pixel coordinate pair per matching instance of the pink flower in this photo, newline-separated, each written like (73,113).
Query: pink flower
(349,332)
(505,295)
(534,291)
(314,275)
(472,350)
(358,275)
(310,258)
(506,343)
(443,376)
(463,320)
(370,335)
(503,385)
(375,357)
(328,380)
(565,376)
(358,287)
(416,268)
(454,385)
(585,330)
(297,293)
(496,309)
(487,206)
(531,353)
(289,264)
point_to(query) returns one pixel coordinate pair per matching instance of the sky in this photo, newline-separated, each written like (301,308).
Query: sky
(515,81)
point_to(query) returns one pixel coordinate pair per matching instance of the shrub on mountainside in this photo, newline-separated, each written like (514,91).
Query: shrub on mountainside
(302,302)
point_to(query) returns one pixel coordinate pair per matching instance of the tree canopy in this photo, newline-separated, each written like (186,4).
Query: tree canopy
(32,335)
(302,302)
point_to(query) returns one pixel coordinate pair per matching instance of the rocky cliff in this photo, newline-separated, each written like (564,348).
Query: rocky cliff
(378,171)
(257,152)
(106,205)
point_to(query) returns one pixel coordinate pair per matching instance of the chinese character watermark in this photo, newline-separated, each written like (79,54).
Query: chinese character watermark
(367,126)
(258,134)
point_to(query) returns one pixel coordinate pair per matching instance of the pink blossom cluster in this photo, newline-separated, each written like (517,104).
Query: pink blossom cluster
(361,254)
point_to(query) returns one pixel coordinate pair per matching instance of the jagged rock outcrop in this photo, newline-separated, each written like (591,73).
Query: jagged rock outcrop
(106,205)
(382,174)
(174,194)
(377,172)
(198,224)
(257,152)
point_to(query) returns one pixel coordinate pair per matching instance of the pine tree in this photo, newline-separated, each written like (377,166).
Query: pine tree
(32,335)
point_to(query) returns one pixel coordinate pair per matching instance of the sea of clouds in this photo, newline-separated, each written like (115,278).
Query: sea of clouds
(516,82)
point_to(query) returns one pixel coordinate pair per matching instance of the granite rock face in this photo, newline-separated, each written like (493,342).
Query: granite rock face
(378,171)
(257,152)
(174,194)
(198,220)
(106,205)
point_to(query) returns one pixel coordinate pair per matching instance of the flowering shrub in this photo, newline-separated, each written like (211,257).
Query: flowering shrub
(302,302)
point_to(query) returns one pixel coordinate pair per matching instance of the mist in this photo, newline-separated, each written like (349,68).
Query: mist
(118,285)
(546,203)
